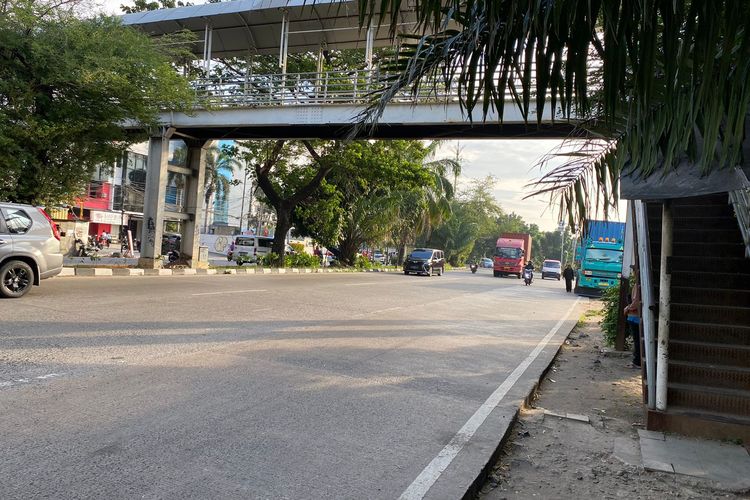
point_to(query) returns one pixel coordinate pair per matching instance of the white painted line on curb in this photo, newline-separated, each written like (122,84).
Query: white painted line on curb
(228,291)
(419,487)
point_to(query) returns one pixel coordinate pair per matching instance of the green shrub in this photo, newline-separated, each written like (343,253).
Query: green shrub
(610,313)
(293,260)
(302,260)
(270,260)
(299,248)
(362,262)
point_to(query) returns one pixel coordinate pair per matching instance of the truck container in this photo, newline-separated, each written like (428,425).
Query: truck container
(599,257)
(511,253)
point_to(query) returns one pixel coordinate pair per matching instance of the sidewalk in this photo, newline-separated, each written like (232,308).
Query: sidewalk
(579,438)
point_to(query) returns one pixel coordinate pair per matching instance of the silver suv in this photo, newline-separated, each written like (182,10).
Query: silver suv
(29,248)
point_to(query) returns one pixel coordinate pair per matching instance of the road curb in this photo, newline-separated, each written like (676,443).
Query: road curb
(67,272)
(474,488)
(128,272)
(93,271)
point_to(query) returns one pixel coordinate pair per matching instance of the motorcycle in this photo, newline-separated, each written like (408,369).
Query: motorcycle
(528,276)
(173,256)
(473,268)
(85,249)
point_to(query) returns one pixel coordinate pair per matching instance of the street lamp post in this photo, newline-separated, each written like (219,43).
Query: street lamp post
(561,227)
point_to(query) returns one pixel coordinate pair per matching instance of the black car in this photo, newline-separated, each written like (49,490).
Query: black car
(427,261)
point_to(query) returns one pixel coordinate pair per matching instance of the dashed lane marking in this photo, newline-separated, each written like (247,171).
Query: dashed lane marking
(227,291)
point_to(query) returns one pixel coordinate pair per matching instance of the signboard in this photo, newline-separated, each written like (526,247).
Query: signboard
(115,218)
(58,213)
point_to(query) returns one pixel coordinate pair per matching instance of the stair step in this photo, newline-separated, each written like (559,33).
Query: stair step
(705,423)
(709,332)
(709,375)
(700,234)
(716,222)
(715,399)
(701,249)
(711,296)
(688,211)
(720,314)
(712,264)
(709,352)
(703,279)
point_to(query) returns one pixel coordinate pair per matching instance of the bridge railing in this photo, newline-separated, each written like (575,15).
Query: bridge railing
(329,87)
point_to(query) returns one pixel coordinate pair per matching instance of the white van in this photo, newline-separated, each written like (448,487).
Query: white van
(249,248)
(551,269)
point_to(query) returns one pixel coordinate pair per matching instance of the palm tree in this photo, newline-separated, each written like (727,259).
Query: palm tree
(651,83)
(220,166)
(422,209)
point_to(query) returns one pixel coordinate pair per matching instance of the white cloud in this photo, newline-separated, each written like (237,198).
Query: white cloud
(512,163)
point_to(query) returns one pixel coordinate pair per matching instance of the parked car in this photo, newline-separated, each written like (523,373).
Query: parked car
(378,257)
(427,261)
(29,248)
(551,269)
(486,263)
(250,248)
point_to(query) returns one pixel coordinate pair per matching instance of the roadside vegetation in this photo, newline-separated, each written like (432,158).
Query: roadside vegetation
(66,86)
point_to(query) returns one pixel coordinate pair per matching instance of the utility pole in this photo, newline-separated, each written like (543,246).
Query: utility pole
(244,190)
(561,227)
(458,160)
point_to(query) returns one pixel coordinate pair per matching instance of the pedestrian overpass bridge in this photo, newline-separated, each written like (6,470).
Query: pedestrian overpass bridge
(327,105)
(324,104)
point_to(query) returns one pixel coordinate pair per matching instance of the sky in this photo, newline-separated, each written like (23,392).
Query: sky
(511,163)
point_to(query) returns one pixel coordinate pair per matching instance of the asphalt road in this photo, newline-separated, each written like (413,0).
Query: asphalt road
(270,386)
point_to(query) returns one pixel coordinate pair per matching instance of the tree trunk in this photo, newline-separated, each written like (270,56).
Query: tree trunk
(283,225)
(205,214)
(348,249)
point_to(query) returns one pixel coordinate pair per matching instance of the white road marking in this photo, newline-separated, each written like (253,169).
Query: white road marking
(228,291)
(11,383)
(419,487)
(379,311)
(367,283)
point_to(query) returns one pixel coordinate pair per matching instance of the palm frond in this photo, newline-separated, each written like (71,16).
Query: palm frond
(672,78)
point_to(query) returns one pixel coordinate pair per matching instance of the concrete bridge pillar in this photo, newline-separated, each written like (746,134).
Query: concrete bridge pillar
(196,163)
(155,208)
(153,200)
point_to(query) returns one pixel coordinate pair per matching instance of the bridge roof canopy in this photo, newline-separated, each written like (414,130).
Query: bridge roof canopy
(243,27)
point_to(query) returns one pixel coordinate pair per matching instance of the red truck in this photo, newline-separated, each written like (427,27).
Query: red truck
(511,253)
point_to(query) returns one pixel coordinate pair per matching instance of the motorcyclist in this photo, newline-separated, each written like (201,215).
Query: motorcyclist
(530,268)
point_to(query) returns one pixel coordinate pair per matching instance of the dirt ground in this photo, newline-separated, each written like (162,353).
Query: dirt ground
(552,457)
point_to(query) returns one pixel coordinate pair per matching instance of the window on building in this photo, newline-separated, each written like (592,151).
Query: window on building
(95,189)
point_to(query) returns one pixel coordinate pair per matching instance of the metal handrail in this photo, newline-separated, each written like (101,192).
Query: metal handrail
(740,200)
(329,87)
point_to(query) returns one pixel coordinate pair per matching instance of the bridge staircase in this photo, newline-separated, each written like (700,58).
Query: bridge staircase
(709,340)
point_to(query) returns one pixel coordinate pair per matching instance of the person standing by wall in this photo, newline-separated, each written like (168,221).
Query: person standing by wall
(633,314)
(568,275)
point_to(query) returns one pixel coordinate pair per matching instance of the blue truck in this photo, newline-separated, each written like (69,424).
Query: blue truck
(599,257)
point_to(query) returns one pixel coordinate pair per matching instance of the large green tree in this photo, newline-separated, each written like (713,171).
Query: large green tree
(655,81)
(67,86)
(289,173)
(370,183)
